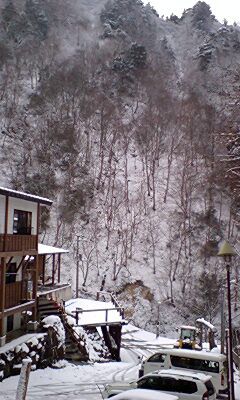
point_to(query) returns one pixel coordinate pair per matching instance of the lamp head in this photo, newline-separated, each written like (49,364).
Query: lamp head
(226,251)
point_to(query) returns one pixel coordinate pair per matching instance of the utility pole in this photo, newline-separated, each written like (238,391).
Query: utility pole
(77,270)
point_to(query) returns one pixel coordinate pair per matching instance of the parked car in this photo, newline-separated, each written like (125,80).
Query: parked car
(185,385)
(209,363)
(144,394)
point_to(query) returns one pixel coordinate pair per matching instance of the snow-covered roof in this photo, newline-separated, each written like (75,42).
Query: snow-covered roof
(190,374)
(45,249)
(206,323)
(201,355)
(25,196)
(188,327)
(144,394)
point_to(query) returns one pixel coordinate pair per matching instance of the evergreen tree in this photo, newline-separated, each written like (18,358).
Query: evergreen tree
(9,14)
(37,19)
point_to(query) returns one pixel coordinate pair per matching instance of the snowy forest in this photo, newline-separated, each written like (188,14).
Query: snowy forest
(129,122)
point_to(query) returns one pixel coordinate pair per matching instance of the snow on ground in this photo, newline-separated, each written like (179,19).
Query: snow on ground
(19,341)
(86,381)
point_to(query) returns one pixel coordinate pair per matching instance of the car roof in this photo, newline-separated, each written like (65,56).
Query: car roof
(144,394)
(204,355)
(183,374)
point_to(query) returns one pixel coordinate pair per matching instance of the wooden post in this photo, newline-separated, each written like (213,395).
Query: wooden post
(43,269)
(23,379)
(35,281)
(2,294)
(115,331)
(53,268)
(59,267)
(106,317)
(6,224)
(38,225)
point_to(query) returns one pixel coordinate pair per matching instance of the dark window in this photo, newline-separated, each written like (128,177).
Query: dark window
(210,388)
(11,273)
(22,222)
(9,323)
(147,383)
(157,358)
(164,383)
(194,363)
(184,386)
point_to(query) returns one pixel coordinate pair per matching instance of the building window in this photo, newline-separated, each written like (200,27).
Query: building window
(22,222)
(11,273)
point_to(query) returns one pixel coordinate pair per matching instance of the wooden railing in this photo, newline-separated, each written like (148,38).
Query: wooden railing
(14,294)
(101,295)
(104,311)
(18,242)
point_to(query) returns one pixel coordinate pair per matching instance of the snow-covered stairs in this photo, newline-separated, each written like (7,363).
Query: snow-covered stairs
(47,307)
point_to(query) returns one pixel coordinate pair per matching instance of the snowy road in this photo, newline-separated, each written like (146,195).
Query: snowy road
(85,382)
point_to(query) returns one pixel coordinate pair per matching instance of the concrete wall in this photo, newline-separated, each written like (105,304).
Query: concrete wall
(16,322)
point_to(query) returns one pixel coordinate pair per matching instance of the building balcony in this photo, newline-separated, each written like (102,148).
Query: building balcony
(12,243)
(14,294)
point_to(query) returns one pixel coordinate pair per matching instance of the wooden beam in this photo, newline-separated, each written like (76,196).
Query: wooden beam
(8,264)
(2,293)
(18,253)
(35,281)
(20,264)
(6,222)
(38,224)
(59,267)
(17,309)
(43,270)
(53,268)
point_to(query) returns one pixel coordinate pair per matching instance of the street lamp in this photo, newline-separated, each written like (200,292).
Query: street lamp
(227,252)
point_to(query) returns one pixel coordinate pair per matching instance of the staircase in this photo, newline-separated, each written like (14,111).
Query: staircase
(75,345)
(48,307)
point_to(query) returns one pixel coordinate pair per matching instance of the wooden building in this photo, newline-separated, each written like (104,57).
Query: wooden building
(23,259)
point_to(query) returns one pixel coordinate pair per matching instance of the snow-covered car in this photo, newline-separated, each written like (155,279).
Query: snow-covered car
(209,363)
(183,384)
(144,394)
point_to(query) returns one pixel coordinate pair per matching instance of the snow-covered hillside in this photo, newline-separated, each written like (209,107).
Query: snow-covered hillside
(116,115)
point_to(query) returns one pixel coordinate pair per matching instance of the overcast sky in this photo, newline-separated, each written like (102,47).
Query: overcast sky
(229,9)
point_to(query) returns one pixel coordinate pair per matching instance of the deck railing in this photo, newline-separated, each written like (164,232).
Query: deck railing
(17,242)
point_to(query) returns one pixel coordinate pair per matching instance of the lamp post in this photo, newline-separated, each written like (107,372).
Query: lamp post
(227,252)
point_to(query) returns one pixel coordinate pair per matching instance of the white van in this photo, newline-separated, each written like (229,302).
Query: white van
(213,364)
